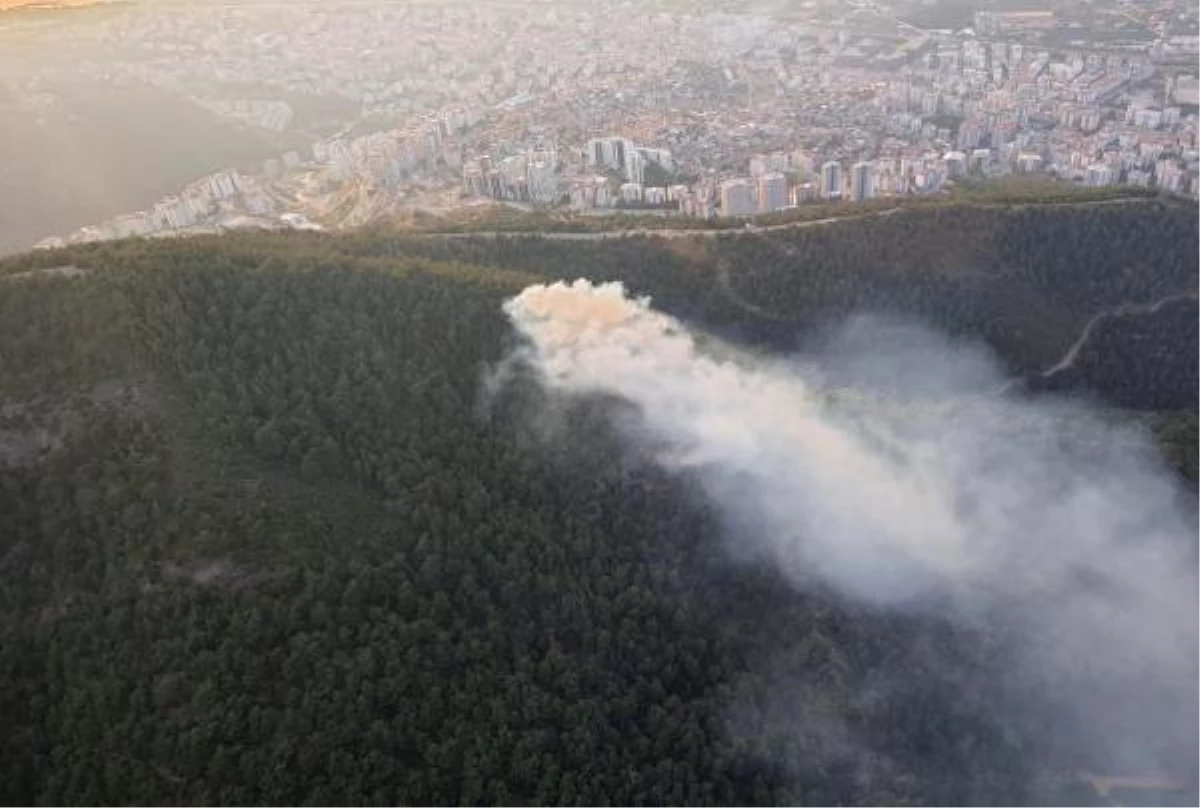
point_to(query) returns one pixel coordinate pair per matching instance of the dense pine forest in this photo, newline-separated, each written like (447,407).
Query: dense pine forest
(263,538)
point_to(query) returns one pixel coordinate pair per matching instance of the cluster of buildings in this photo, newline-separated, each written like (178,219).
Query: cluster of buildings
(390,60)
(613,174)
(1086,116)
(207,201)
(531,176)
(748,111)
(777,180)
(390,155)
(627,158)
(780,181)
(290,190)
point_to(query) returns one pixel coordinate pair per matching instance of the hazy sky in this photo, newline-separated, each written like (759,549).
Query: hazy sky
(7,4)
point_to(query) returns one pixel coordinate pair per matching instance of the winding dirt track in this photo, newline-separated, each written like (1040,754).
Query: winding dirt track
(1120,311)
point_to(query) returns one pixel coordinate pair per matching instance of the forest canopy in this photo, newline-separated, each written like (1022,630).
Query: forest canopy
(262,542)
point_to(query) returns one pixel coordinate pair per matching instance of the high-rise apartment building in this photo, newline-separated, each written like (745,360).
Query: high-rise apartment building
(862,181)
(772,192)
(737,198)
(831,180)
(1100,175)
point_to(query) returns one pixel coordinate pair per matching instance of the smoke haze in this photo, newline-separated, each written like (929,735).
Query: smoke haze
(880,468)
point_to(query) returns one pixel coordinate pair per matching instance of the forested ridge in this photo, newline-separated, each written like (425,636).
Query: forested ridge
(264,540)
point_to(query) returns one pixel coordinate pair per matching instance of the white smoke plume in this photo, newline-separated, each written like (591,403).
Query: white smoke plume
(884,474)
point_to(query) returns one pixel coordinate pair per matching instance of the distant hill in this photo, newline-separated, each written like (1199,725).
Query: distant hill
(263,541)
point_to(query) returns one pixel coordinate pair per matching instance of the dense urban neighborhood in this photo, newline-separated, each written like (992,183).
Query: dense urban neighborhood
(697,110)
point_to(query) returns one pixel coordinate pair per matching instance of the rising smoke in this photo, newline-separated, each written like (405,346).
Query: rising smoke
(880,470)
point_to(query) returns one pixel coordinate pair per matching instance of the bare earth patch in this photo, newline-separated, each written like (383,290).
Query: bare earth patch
(214,572)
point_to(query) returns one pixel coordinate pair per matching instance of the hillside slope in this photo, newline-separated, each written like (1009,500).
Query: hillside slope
(264,540)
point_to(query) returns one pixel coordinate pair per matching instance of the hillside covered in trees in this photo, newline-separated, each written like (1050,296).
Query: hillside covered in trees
(265,540)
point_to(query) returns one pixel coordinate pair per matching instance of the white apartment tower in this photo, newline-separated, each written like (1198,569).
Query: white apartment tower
(623,155)
(772,192)
(737,198)
(1100,175)
(540,177)
(862,181)
(831,180)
